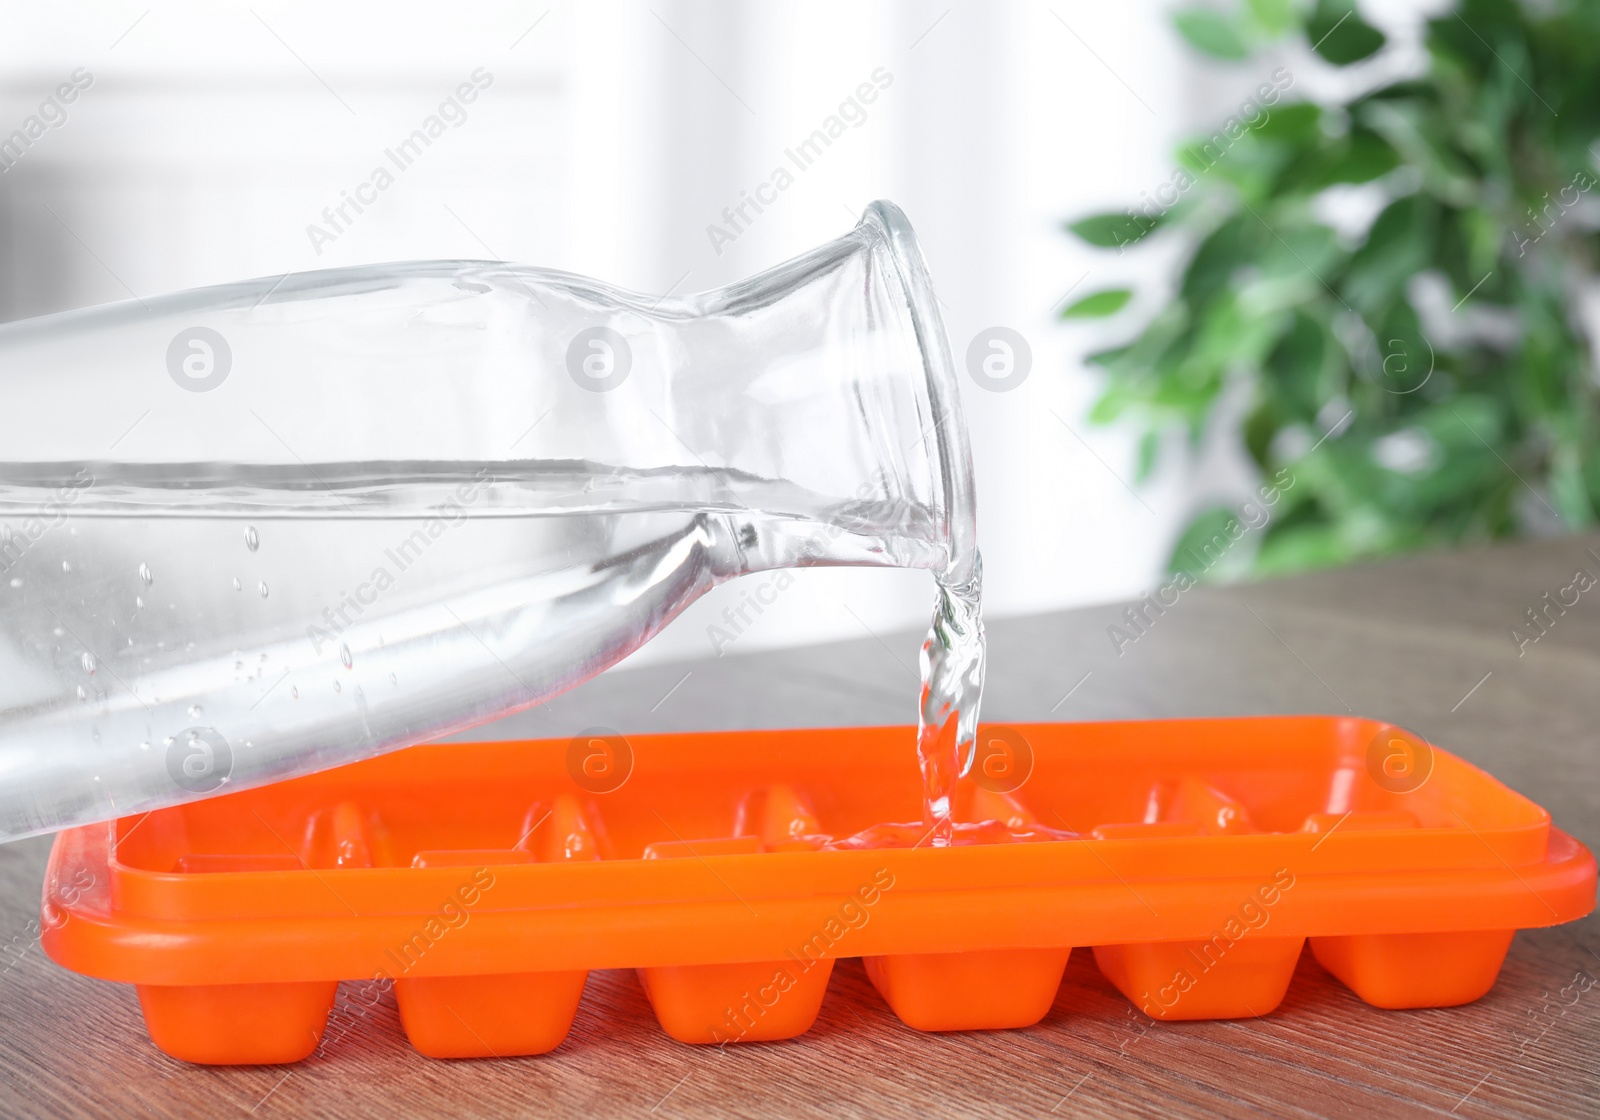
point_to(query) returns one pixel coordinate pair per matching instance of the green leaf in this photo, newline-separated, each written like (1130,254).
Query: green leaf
(1294,371)
(1212,33)
(1097,305)
(1149,445)
(1399,245)
(1568,490)
(1337,32)
(1468,422)
(1406,360)
(1272,16)
(1362,157)
(1301,548)
(1421,133)
(1211,545)
(1232,337)
(1250,153)
(1292,268)
(1297,124)
(1114,231)
(1227,249)
(1466,252)
(1591,478)
(1108,359)
(1259,429)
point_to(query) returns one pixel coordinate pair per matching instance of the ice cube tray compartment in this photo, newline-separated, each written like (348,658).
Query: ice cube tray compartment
(485,881)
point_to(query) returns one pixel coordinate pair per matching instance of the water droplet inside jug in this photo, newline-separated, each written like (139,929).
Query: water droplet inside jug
(88,662)
(252,539)
(145,745)
(138,602)
(144,574)
(66,565)
(345,656)
(337,687)
(82,695)
(263,589)
(294,692)
(196,711)
(16,581)
(237,586)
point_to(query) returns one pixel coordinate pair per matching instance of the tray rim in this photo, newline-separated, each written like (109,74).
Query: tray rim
(162,927)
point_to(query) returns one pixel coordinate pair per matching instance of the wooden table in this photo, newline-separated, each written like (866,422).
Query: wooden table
(1425,642)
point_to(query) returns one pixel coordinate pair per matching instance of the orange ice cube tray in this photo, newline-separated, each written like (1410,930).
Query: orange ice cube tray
(485,880)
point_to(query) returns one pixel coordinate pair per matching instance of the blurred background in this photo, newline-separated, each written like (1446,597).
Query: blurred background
(1296,284)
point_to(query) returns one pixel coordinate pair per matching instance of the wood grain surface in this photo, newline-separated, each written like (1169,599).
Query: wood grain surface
(1425,642)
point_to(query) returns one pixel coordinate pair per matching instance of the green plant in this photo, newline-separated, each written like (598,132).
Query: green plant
(1427,380)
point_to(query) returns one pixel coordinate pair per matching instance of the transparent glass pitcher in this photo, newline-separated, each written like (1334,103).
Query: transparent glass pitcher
(261,529)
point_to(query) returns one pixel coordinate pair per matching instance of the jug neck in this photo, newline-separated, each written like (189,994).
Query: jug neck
(824,393)
(813,407)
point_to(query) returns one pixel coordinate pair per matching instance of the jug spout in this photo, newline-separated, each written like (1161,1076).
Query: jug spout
(256,530)
(849,397)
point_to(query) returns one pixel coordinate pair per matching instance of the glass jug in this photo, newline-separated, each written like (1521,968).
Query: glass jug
(257,530)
